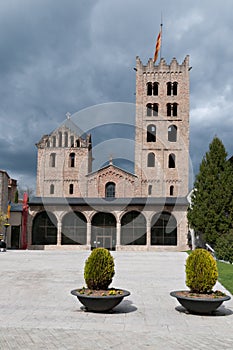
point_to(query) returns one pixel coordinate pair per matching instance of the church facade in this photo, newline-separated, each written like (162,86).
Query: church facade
(78,208)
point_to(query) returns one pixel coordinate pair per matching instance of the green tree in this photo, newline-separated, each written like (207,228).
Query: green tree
(211,211)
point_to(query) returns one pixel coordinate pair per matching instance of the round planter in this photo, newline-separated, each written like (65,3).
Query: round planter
(197,304)
(100,303)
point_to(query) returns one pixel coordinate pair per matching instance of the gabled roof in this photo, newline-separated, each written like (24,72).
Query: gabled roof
(110,165)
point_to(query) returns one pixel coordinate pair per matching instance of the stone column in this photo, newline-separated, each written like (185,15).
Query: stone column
(89,235)
(118,234)
(148,233)
(59,232)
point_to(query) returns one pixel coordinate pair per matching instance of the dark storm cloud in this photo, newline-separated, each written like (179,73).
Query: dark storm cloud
(66,55)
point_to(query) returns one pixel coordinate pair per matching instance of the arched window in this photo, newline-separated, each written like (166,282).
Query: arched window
(60,139)
(51,189)
(172,161)
(71,189)
(172,88)
(74,228)
(172,109)
(155,89)
(149,89)
(72,160)
(44,228)
(169,109)
(149,190)
(71,141)
(66,139)
(110,190)
(151,160)
(133,228)
(172,133)
(54,141)
(175,88)
(155,108)
(164,229)
(151,133)
(77,143)
(172,190)
(149,109)
(52,160)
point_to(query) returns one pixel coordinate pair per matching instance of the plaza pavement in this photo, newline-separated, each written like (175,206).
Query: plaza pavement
(37,310)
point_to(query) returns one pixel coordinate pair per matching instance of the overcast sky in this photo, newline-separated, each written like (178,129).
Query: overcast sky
(60,56)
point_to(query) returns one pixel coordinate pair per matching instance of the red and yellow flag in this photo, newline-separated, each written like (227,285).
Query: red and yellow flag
(157,46)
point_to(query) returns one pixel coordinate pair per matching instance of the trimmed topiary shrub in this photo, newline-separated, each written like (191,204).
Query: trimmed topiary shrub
(201,271)
(99,269)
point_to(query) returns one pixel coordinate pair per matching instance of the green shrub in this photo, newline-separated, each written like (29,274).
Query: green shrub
(224,248)
(99,269)
(201,271)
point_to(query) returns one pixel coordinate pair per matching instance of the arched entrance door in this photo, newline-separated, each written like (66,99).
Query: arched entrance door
(44,229)
(164,229)
(103,231)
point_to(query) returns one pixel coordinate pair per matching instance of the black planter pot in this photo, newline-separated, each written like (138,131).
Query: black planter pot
(100,303)
(199,305)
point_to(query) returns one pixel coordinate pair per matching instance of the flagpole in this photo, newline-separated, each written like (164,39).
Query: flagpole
(161,28)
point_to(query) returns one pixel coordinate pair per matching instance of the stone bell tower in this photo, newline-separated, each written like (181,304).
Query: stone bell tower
(162,128)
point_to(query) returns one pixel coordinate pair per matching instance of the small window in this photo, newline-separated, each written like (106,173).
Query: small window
(169,89)
(66,139)
(172,88)
(155,89)
(151,133)
(175,88)
(71,189)
(172,133)
(52,189)
(52,160)
(151,160)
(155,108)
(110,190)
(54,141)
(171,190)
(150,190)
(172,109)
(172,161)
(149,109)
(149,89)
(60,139)
(72,141)
(77,143)
(72,160)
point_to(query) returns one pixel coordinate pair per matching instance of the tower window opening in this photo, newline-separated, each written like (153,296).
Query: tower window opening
(172,133)
(71,189)
(151,160)
(151,133)
(51,189)
(171,190)
(66,139)
(52,160)
(149,89)
(172,161)
(172,88)
(172,109)
(150,190)
(72,160)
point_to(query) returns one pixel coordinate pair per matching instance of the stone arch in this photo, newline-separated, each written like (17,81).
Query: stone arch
(133,228)
(103,231)
(163,229)
(74,228)
(44,229)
